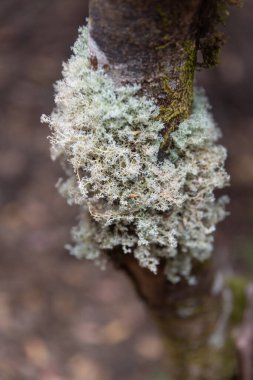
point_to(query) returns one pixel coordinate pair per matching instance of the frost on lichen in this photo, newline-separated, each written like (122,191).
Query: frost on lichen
(108,140)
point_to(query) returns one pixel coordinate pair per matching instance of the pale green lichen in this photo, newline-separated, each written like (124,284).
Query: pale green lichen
(108,139)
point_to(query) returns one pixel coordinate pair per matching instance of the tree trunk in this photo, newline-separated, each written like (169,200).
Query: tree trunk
(155,43)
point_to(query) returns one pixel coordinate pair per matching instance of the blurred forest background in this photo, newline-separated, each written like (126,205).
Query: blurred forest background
(60,318)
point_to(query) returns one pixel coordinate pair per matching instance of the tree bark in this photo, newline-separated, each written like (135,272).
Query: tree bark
(151,43)
(155,43)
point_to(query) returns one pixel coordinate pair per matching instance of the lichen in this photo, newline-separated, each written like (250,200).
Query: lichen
(108,140)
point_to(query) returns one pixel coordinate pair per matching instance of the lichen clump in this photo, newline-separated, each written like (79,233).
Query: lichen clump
(108,139)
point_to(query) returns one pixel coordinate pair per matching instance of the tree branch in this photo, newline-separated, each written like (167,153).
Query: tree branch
(156,44)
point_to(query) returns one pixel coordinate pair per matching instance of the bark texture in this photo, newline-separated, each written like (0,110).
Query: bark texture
(194,321)
(152,43)
(156,44)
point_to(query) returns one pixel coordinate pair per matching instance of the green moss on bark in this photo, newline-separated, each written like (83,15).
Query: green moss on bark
(210,39)
(203,37)
(238,286)
(180,99)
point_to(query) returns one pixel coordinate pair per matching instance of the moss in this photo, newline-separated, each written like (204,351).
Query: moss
(177,81)
(180,98)
(204,37)
(210,49)
(190,357)
(238,286)
(210,39)
(216,359)
(224,359)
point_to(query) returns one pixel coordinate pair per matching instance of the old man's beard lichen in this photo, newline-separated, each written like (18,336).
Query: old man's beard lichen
(108,139)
